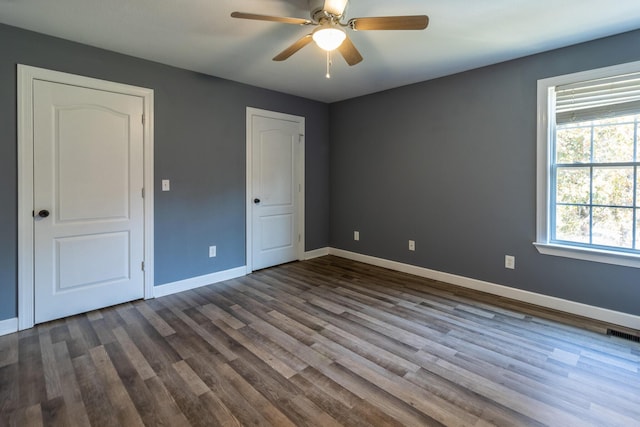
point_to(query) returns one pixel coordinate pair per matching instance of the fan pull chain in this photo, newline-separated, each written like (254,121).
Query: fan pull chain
(328,75)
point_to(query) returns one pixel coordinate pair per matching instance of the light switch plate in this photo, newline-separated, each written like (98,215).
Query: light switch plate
(166,185)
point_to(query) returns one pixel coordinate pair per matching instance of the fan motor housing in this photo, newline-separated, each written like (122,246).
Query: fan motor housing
(315,6)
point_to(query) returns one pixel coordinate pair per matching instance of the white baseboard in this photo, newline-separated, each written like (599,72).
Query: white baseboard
(580,309)
(197,282)
(8,326)
(316,253)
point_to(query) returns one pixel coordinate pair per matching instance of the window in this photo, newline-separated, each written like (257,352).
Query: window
(589,165)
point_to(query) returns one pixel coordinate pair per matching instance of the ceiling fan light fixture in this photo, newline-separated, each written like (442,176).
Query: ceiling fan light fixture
(329,37)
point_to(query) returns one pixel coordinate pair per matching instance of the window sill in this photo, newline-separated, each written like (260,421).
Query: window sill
(587,254)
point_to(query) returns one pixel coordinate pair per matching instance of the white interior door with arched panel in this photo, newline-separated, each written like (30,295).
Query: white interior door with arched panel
(275,188)
(88,142)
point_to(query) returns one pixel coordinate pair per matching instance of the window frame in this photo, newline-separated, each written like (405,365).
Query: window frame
(544,161)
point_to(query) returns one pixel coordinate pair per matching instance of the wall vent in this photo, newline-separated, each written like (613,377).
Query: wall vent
(623,335)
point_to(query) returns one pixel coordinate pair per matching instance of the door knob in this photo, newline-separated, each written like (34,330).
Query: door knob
(256,201)
(43,213)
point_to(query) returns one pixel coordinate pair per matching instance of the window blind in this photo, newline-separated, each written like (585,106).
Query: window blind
(600,98)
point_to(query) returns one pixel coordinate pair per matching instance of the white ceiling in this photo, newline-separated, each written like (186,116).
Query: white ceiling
(200,35)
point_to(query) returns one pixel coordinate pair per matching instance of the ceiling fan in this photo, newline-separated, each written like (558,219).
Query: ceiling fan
(327,17)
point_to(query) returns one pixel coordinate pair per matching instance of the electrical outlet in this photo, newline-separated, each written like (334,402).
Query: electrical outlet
(412,245)
(356,235)
(212,251)
(510,262)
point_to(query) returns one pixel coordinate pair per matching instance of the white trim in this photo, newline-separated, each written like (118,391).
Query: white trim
(580,309)
(26,76)
(25,198)
(316,253)
(589,254)
(300,164)
(197,282)
(545,123)
(542,162)
(149,213)
(8,326)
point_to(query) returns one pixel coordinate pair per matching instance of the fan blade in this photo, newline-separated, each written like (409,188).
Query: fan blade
(285,20)
(415,22)
(349,52)
(335,7)
(302,42)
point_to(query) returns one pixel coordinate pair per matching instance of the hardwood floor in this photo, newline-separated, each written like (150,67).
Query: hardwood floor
(324,342)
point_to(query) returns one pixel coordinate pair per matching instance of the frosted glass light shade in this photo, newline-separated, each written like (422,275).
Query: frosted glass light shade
(329,38)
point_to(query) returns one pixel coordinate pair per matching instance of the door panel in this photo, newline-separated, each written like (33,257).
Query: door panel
(277,231)
(111,249)
(88,172)
(276,166)
(80,153)
(276,184)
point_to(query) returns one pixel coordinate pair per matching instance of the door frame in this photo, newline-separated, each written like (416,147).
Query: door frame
(26,77)
(300,181)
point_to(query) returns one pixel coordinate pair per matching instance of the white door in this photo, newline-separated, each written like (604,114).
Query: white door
(276,188)
(89,212)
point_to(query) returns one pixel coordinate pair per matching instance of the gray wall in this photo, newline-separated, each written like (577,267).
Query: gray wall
(451,164)
(199,146)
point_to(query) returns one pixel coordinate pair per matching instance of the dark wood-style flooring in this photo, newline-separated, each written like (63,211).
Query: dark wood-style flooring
(324,342)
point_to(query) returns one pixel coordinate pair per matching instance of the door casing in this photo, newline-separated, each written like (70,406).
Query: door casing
(26,77)
(300,181)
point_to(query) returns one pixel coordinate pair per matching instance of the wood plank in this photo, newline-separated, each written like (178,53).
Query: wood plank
(8,350)
(51,377)
(30,416)
(154,348)
(10,388)
(94,394)
(124,408)
(71,392)
(469,401)
(189,404)
(154,319)
(102,330)
(257,345)
(350,412)
(133,353)
(196,385)
(218,410)
(395,408)
(31,372)
(282,394)
(214,312)
(33,417)
(136,389)
(167,412)
(272,414)
(233,398)
(50,413)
